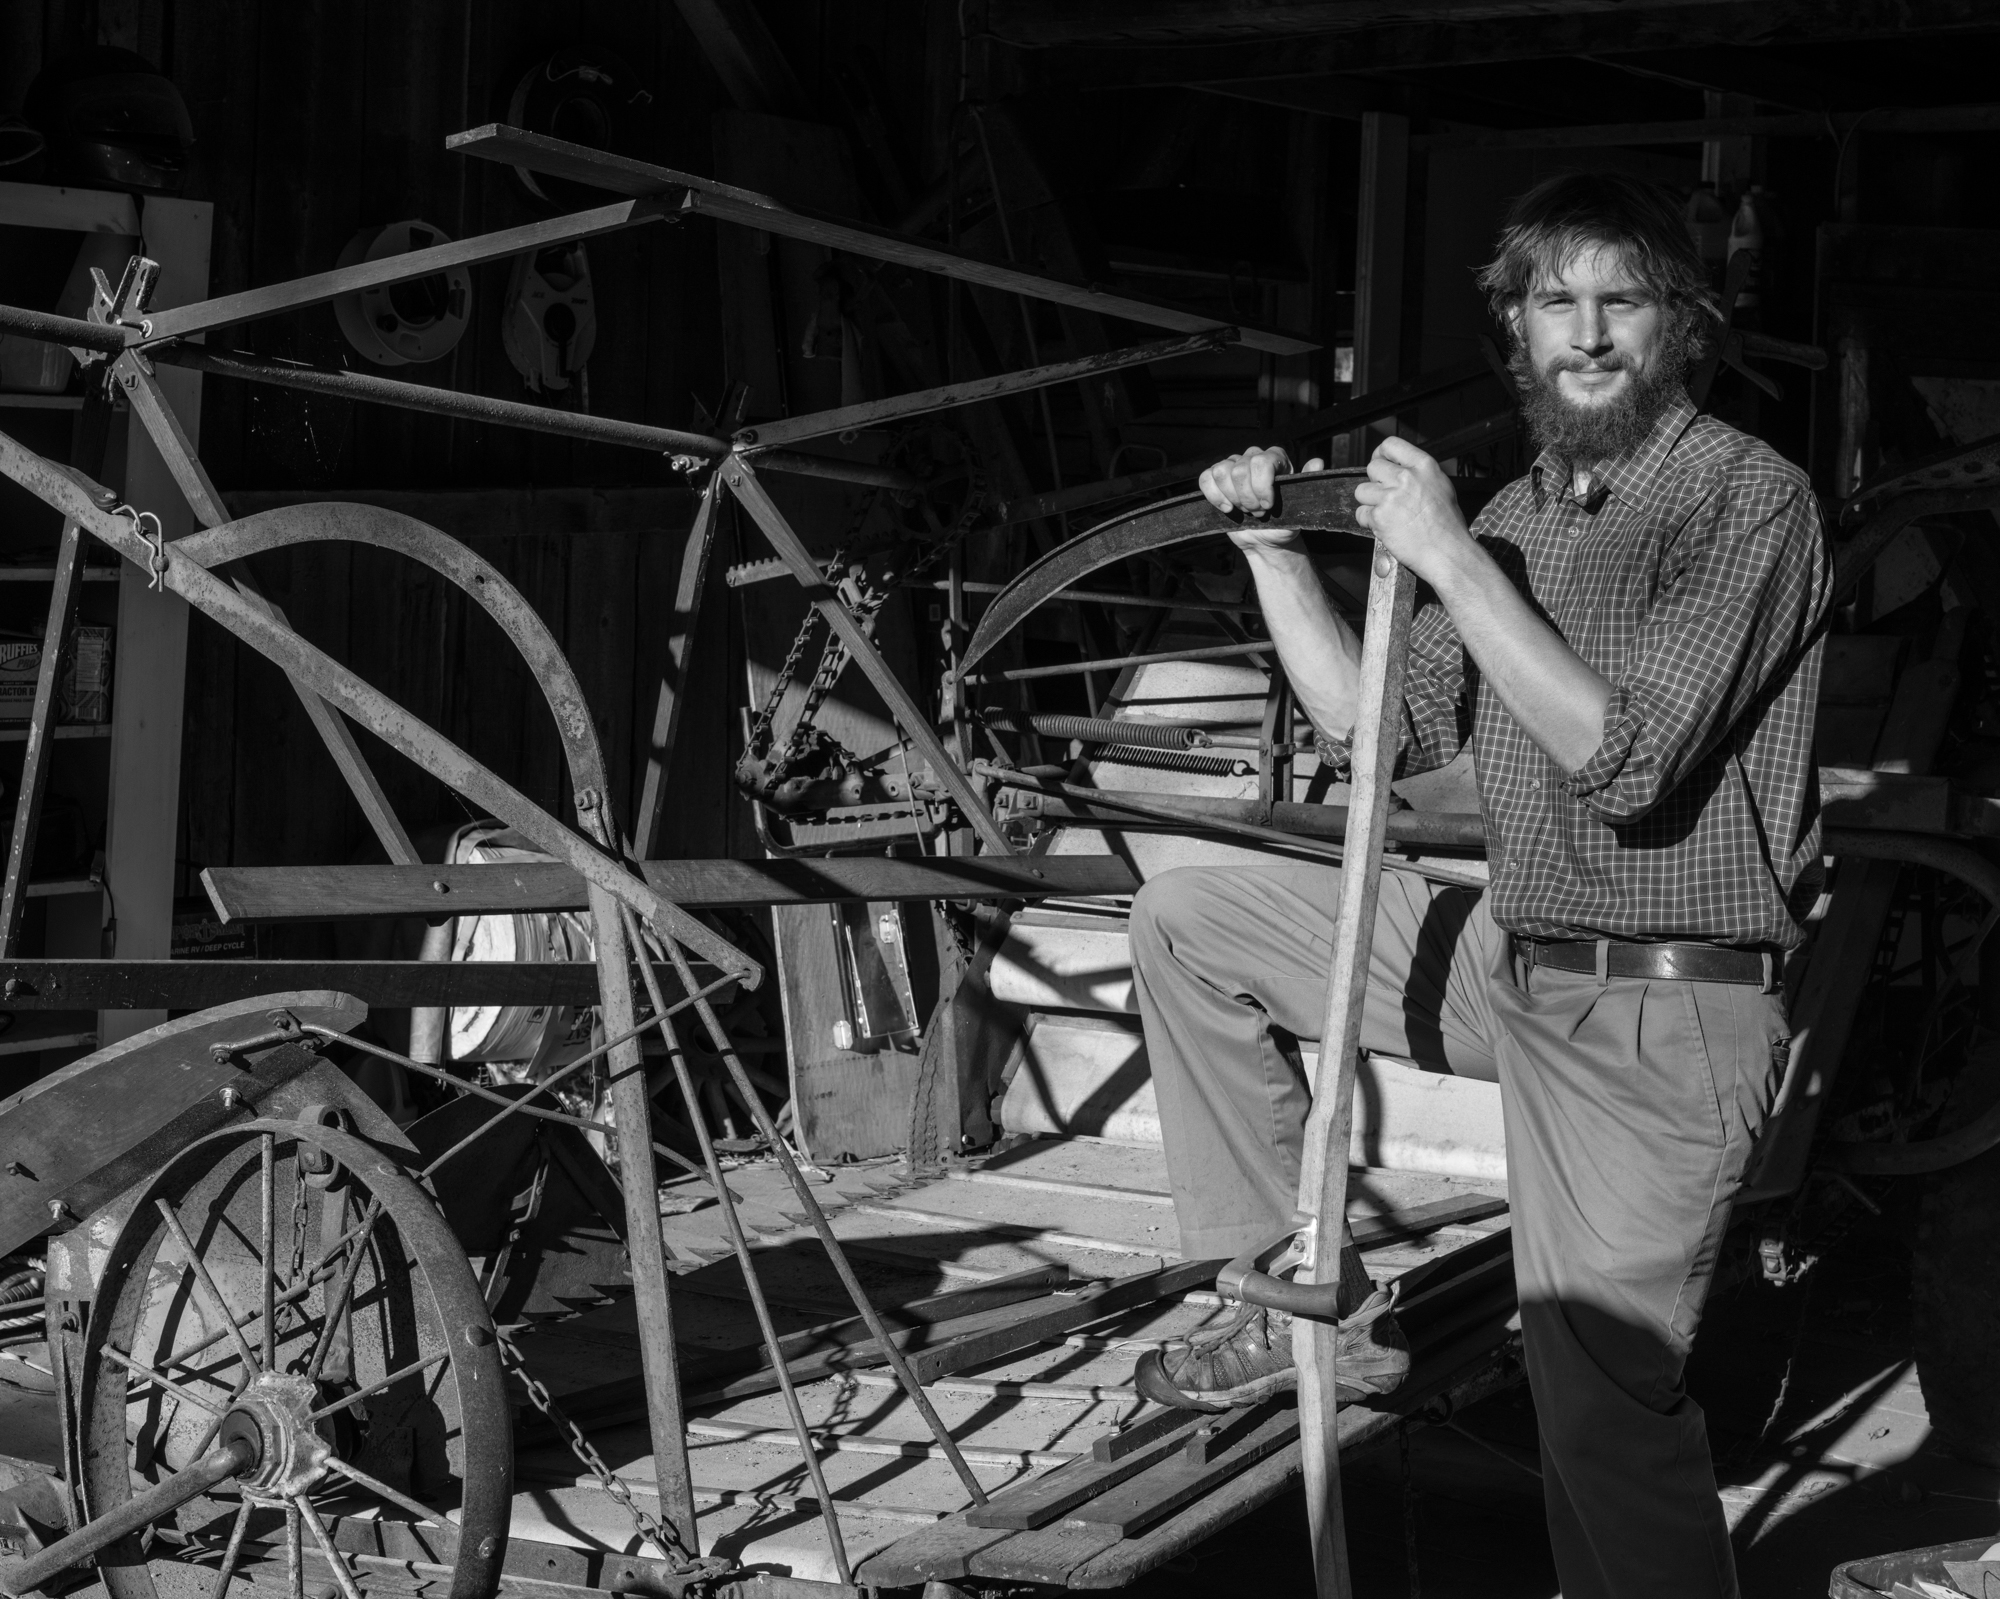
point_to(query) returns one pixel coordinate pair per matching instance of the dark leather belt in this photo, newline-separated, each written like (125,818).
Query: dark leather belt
(1666,963)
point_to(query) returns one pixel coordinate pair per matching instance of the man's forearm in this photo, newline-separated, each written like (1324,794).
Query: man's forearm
(1320,652)
(1558,698)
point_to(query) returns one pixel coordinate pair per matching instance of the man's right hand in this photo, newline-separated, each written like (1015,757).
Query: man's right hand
(1245,483)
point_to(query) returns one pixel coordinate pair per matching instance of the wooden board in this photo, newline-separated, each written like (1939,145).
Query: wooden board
(320,893)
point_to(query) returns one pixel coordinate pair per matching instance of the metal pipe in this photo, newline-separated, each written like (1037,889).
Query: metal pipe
(1322,825)
(439,402)
(1213,652)
(1101,597)
(505,413)
(218,1465)
(873,413)
(109,337)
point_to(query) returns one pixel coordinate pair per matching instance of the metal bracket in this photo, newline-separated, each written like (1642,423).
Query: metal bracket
(1252,1277)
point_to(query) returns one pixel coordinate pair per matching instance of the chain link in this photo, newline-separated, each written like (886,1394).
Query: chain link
(649,1527)
(864,600)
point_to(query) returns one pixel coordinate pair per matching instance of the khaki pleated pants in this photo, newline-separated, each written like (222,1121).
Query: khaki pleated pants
(1630,1109)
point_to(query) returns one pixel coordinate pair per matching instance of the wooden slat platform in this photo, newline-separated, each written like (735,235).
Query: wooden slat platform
(1099,1209)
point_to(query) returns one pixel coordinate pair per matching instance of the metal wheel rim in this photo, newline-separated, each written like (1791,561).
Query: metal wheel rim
(473,1360)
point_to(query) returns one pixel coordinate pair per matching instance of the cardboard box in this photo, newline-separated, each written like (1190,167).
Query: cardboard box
(83,694)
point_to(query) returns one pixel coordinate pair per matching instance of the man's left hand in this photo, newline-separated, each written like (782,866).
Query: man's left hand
(1408,503)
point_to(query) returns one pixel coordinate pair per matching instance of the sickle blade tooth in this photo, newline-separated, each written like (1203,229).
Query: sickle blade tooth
(1321,502)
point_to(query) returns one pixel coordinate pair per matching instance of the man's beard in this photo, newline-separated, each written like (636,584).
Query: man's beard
(1583,435)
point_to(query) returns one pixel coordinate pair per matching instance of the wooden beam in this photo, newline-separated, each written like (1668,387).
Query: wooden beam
(321,893)
(745,207)
(1323,1164)
(1417,45)
(1701,130)
(149,657)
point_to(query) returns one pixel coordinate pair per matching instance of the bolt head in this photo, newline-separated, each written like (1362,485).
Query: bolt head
(487,1548)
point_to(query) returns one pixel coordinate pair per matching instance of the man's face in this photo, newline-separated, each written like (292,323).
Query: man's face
(1597,358)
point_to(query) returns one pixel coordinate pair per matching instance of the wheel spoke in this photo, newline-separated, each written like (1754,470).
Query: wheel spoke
(423,1512)
(295,1554)
(369,1392)
(200,1268)
(232,1553)
(161,1380)
(337,1302)
(268,1193)
(341,1575)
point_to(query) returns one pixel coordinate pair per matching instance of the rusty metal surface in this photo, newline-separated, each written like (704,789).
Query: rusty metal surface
(1316,502)
(91,506)
(208,1183)
(90,1129)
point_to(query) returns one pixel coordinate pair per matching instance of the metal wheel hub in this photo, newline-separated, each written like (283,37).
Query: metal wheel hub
(274,1417)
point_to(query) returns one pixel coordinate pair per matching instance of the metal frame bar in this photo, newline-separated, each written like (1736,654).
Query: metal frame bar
(133,373)
(295,294)
(872,413)
(703,196)
(741,480)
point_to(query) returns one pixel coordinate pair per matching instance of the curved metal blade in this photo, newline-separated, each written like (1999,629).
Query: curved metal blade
(1321,502)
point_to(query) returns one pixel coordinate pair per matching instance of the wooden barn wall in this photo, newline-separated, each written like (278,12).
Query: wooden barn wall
(315,118)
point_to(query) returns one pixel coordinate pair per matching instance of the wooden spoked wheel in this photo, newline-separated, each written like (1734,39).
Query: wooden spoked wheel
(286,1291)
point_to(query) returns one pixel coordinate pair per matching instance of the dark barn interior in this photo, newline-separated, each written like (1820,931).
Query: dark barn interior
(637,565)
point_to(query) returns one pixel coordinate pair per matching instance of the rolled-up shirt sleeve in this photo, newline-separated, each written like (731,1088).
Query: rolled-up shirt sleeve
(1436,709)
(1740,599)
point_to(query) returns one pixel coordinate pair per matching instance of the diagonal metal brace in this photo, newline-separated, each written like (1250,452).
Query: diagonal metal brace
(741,481)
(85,503)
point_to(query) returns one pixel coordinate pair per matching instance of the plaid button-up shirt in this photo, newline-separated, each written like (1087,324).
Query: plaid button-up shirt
(1696,578)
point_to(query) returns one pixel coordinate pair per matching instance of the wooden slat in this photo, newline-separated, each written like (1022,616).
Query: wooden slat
(322,893)
(1154,1494)
(814,1352)
(1058,1492)
(1059,1315)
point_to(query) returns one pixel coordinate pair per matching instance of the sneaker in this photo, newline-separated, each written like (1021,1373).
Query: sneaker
(1249,1358)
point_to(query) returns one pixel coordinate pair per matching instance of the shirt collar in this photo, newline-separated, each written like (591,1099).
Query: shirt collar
(1630,475)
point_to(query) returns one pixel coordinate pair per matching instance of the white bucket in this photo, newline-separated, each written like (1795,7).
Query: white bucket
(538,1035)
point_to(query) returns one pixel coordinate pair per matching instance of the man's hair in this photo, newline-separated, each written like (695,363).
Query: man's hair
(1562,217)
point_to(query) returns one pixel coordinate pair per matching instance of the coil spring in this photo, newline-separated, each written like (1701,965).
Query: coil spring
(1175,760)
(1095,730)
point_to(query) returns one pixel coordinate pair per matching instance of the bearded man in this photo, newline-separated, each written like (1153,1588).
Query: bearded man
(1629,639)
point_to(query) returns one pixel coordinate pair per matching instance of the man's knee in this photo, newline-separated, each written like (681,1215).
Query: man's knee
(1166,908)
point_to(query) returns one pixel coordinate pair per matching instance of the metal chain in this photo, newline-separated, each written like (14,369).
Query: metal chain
(760,729)
(649,1527)
(866,601)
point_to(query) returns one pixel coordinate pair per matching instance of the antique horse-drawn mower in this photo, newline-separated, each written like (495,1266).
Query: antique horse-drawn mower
(272,1351)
